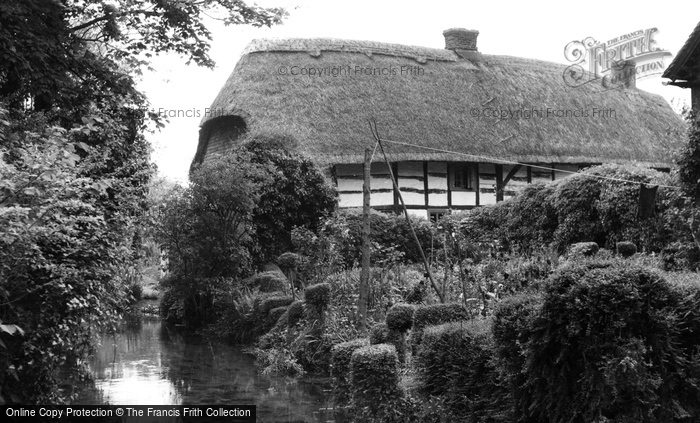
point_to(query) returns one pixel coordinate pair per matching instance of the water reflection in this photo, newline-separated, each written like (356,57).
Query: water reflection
(148,363)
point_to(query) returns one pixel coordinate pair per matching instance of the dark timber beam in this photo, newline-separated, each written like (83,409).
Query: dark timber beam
(499,182)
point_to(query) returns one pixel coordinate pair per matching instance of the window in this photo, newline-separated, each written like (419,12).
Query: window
(462,176)
(436,215)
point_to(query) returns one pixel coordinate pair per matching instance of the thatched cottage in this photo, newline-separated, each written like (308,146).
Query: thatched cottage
(462,128)
(684,70)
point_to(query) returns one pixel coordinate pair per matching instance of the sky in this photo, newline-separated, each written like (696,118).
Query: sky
(528,29)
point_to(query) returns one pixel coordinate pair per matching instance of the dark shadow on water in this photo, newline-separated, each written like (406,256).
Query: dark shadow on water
(149,363)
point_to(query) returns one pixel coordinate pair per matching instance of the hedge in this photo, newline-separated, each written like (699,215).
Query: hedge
(583,249)
(318,296)
(400,317)
(435,314)
(276,313)
(271,281)
(340,367)
(295,312)
(607,342)
(374,375)
(511,320)
(378,334)
(626,249)
(456,363)
(270,303)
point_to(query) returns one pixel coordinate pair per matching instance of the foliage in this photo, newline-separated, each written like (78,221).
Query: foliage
(67,218)
(511,321)
(378,334)
(435,314)
(340,367)
(205,230)
(273,302)
(296,194)
(605,345)
(455,362)
(626,249)
(400,317)
(591,206)
(270,281)
(318,295)
(295,312)
(583,249)
(374,376)
(74,168)
(390,235)
(277,361)
(69,51)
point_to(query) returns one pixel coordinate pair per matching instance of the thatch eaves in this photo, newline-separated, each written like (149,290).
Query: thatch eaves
(431,97)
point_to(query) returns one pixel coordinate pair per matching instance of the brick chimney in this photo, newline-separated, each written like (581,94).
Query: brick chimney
(460,39)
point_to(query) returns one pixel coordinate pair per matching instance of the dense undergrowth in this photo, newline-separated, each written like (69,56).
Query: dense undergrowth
(567,303)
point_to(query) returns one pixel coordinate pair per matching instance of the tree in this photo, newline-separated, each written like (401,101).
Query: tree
(296,195)
(66,54)
(74,167)
(207,230)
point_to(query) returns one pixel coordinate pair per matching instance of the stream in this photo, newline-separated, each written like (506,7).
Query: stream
(149,363)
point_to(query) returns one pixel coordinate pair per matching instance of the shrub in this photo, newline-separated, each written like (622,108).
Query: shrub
(269,303)
(378,334)
(435,314)
(340,367)
(456,362)
(374,376)
(288,261)
(295,312)
(318,296)
(626,249)
(276,313)
(271,281)
(511,320)
(583,249)
(605,344)
(400,317)
(681,256)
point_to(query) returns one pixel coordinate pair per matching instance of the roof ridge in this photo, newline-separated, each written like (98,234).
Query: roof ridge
(314,46)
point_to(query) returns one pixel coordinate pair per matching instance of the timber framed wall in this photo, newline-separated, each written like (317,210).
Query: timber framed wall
(430,187)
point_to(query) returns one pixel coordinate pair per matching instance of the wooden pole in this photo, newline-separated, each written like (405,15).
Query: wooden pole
(405,213)
(364,276)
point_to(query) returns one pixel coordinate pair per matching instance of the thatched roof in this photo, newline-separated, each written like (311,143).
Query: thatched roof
(328,114)
(686,65)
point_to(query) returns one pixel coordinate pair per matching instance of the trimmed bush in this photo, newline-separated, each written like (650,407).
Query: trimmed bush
(270,303)
(340,367)
(400,317)
(295,312)
(435,314)
(289,261)
(378,334)
(456,362)
(319,295)
(626,249)
(511,320)
(276,313)
(374,375)
(271,281)
(606,343)
(583,249)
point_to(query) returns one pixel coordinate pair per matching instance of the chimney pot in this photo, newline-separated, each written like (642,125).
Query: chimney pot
(460,39)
